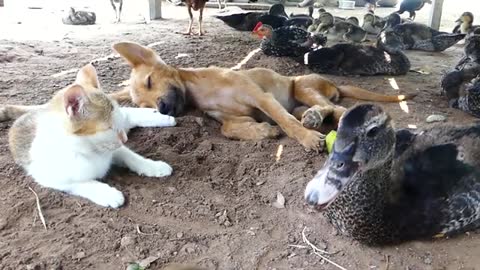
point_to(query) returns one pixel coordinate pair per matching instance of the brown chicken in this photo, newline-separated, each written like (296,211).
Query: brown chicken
(196,5)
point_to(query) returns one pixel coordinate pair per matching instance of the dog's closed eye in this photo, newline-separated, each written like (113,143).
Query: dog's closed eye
(149,82)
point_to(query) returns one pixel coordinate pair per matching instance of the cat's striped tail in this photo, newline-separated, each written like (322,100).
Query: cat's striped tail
(12,112)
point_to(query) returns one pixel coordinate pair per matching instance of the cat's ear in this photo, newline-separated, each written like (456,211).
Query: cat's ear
(87,77)
(74,100)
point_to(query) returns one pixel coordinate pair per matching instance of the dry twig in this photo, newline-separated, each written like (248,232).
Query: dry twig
(39,208)
(142,233)
(318,251)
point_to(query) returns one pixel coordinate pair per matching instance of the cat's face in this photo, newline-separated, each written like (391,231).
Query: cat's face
(90,114)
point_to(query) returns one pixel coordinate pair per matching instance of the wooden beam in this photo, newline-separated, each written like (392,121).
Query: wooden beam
(435,14)
(155,9)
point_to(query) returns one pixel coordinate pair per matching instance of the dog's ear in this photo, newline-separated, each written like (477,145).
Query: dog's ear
(87,77)
(136,54)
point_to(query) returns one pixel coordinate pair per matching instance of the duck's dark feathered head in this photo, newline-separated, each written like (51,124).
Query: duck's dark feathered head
(365,139)
(390,41)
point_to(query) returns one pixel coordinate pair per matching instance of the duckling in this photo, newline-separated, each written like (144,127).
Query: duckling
(313,27)
(349,59)
(326,22)
(466,69)
(75,17)
(353,20)
(345,31)
(336,18)
(384,186)
(372,24)
(466,23)
(355,34)
(418,36)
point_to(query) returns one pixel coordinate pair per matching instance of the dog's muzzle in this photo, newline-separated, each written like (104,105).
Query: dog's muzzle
(172,103)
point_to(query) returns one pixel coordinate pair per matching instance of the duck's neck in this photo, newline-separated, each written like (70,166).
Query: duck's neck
(358,209)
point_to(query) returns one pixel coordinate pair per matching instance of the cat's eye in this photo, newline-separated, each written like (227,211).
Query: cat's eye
(372,132)
(149,82)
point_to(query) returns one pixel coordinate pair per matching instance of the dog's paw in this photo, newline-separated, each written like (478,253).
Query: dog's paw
(107,196)
(312,119)
(155,169)
(313,141)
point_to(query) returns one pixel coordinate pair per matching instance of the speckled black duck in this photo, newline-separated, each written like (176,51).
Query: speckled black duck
(350,59)
(466,69)
(416,36)
(470,101)
(384,186)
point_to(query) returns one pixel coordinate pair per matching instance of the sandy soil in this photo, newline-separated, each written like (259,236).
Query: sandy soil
(216,210)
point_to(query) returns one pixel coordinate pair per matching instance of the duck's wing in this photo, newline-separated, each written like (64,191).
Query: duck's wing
(435,172)
(463,206)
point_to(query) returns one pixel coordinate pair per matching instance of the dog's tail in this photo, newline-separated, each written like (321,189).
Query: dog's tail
(363,94)
(12,112)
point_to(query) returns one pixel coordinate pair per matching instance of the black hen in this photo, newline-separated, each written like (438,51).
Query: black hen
(246,21)
(287,41)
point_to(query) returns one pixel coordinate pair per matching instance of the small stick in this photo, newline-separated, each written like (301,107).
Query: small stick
(39,208)
(298,246)
(142,233)
(306,241)
(317,251)
(387,262)
(245,60)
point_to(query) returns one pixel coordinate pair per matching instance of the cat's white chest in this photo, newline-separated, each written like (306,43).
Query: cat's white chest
(57,157)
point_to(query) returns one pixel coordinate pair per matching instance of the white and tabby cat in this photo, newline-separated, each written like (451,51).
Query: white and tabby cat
(71,142)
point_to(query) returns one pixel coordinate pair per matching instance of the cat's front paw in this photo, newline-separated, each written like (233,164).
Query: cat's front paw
(108,197)
(155,169)
(147,117)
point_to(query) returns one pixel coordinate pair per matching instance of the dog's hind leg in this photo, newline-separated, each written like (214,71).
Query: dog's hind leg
(310,139)
(246,128)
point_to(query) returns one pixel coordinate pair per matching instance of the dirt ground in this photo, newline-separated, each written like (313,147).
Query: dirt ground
(216,209)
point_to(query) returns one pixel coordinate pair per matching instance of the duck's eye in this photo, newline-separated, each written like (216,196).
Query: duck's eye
(149,82)
(372,132)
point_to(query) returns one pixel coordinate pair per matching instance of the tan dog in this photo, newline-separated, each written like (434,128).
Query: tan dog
(243,101)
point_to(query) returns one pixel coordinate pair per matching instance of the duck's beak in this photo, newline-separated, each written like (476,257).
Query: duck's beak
(341,162)
(328,183)
(459,20)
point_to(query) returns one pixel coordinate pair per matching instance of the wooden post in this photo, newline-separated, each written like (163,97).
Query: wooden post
(1,3)
(155,8)
(435,14)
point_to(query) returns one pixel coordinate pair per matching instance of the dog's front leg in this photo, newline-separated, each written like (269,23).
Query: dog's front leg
(311,140)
